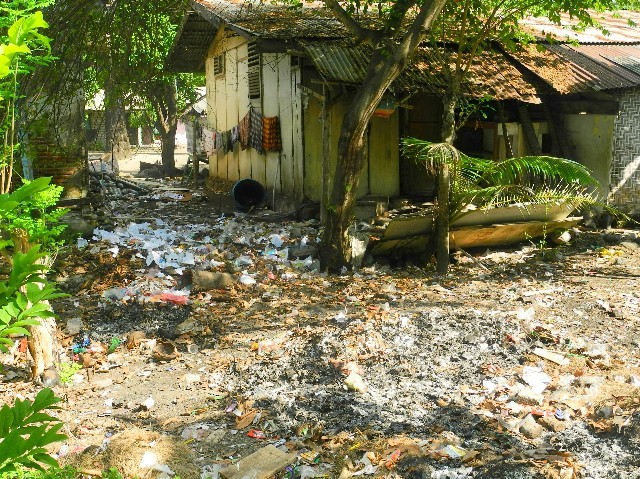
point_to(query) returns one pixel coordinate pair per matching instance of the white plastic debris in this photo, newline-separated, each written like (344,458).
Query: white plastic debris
(210,471)
(276,240)
(148,403)
(82,243)
(369,469)
(452,473)
(150,461)
(536,378)
(246,279)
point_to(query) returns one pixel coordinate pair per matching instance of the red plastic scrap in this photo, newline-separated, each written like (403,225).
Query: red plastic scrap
(174,298)
(392,459)
(256,434)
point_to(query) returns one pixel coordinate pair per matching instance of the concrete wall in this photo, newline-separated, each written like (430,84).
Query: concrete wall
(591,138)
(625,161)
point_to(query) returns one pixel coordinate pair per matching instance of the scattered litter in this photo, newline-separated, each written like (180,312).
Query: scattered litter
(551,356)
(536,378)
(262,464)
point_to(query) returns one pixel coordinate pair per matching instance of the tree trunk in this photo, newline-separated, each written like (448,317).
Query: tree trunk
(116,133)
(441,230)
(449,102)
(165,102)
(168,142)
(42,346)
(42,341)
(335,251)
(384,68)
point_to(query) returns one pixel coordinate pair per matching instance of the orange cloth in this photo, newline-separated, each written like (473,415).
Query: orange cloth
(271,140)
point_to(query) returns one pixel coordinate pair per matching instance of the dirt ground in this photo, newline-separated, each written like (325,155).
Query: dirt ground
(204,338)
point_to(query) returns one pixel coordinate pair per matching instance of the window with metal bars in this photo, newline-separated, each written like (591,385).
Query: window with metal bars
(254,71)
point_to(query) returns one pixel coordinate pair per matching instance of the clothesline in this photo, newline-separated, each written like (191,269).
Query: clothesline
(255,131)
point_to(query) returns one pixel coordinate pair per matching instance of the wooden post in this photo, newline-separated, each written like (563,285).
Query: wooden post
(528,130)
(442,221)
(325,156)
(194,151)
(508,149)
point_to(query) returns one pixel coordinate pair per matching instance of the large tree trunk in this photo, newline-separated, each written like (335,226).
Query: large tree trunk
(384,68)
(165,101)
(116,133)
(168,142)
(335,251)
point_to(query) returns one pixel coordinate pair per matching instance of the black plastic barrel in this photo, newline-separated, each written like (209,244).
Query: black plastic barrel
(248,194)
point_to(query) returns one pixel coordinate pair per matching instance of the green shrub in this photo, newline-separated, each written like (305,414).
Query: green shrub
(25,430)
(38,217)
(24,296)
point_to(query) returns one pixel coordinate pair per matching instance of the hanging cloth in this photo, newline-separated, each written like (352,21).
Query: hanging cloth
(208,140)
(218,141)
(234,135)
(243,133)
(226,142)
(255,131)
(271,140)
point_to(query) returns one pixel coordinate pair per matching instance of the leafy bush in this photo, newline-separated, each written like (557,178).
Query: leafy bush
(25,430)
(37,216)
(25,292)
(24,296)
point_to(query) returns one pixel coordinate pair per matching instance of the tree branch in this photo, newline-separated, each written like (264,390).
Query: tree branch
(418,30)
(362,34)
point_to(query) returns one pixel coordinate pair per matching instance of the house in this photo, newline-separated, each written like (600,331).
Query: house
(299,66)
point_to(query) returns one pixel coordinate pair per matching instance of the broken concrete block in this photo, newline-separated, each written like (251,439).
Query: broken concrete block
(530,428)
(208,280)
(530,397)
(262,464)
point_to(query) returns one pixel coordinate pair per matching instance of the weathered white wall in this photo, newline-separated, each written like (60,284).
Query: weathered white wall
(228,102)
(591,137)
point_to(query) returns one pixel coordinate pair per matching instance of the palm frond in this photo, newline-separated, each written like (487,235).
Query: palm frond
(536,169)
(523,181)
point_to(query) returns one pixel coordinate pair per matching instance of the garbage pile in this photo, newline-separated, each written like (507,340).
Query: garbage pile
(221,333)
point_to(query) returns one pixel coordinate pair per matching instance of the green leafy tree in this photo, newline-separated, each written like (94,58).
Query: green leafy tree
(26,429)
(19,54)
(120,47)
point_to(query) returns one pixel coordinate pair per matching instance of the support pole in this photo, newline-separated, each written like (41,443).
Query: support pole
(194,151)
(442,221)
(325,155)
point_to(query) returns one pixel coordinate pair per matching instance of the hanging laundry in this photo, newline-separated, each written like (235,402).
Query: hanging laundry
(226,142)
(235,132)
(243,133)
(271,140)
(218,141)
(255,131)
(208,140)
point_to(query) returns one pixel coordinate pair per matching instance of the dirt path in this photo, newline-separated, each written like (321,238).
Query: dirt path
(385,372)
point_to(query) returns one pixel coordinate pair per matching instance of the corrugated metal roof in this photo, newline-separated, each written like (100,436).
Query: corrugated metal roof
(570,68)
(191,44)
(525,75)
(615,23)
(493,74)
